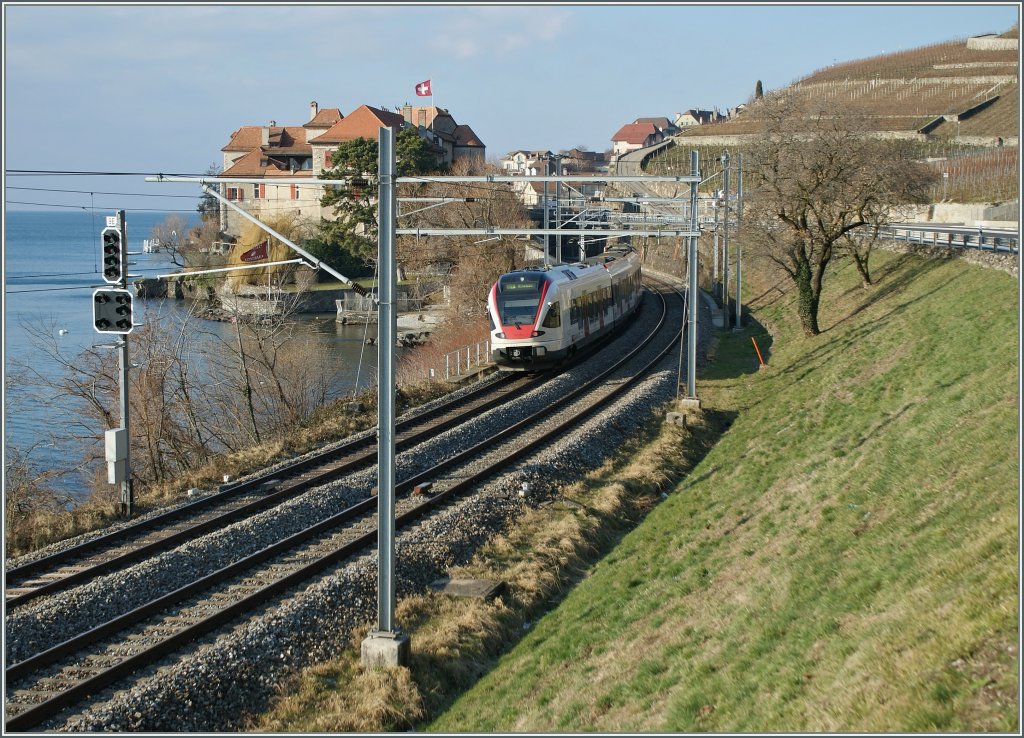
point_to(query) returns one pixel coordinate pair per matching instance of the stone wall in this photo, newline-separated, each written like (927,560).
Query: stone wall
(991,43)
(1003,262)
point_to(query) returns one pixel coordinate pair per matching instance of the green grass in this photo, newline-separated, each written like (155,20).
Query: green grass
(845,559)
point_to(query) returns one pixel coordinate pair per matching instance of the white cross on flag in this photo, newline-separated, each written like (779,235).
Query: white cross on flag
(423,88)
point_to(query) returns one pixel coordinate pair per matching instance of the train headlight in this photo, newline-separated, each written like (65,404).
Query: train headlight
(499,335)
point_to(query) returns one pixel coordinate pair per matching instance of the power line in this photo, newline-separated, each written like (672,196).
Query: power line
(61,172)
(90,192)
(93,207)
(56,274)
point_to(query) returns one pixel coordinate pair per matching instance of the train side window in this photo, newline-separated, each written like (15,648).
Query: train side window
(554,318)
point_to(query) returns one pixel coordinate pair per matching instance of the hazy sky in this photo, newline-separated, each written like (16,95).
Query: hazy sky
(160,88)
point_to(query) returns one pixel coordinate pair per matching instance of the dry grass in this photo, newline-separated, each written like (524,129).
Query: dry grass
(454,334)
(905,90)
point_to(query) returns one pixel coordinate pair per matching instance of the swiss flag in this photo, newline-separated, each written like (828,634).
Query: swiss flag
(423,88)
(257,253)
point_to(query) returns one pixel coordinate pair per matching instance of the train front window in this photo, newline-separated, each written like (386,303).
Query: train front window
(518,311)
(518,299)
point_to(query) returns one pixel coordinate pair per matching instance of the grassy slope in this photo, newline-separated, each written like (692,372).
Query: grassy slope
(845,559)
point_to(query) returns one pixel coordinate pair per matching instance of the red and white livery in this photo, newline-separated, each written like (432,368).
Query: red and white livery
(542,315)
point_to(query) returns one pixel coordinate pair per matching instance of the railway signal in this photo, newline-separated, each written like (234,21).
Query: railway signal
(115,256)
(112,311)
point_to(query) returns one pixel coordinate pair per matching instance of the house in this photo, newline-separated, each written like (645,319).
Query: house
(579,161)
(531,192)
(273,152)
(268,153)
(663,124)
(694,117)
(633,136)
(525,162)
(451,140)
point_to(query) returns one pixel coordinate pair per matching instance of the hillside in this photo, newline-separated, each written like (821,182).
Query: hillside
(845,557)
(963,89)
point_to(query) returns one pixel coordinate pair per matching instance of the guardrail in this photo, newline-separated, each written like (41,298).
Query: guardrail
(460,361)
(955,236)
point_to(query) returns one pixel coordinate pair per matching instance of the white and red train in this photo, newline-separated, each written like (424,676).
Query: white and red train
(542,315)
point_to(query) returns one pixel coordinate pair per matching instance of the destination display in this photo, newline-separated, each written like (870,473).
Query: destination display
(528,285)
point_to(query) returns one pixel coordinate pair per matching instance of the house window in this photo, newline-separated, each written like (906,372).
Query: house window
(295,192)
(258,191)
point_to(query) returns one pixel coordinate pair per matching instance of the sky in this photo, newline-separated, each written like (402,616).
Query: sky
(146,88)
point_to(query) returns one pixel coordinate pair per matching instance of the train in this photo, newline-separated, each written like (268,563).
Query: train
(541,316)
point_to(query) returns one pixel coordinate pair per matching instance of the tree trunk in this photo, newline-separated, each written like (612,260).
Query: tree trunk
(862,269)
(248,384)
(807,299)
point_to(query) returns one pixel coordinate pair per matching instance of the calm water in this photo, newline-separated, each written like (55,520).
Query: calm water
(51,263)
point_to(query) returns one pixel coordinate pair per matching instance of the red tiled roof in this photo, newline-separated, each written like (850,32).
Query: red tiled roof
(251,165)
(248,138)
(325,118)
(635,133)
(245,138)
(362,122)
(290,138)
(246,166)
(464,136)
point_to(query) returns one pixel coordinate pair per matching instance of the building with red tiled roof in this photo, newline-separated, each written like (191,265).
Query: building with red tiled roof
(363,122)
(451,140)
(634,136)
(275,152)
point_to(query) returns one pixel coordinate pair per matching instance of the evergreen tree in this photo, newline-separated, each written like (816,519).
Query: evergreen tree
(209,207)
(353,232)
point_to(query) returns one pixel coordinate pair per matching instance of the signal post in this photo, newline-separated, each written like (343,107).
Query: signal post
(113,314)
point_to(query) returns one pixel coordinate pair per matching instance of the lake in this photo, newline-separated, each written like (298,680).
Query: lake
(52,266)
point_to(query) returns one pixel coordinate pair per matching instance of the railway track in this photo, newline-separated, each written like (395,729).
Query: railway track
(43,684)
(72,566)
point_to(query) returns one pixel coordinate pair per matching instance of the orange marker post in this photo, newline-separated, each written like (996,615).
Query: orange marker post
(757,350)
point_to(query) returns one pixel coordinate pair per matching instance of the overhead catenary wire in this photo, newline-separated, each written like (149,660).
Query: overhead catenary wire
(92,207)
(97,192)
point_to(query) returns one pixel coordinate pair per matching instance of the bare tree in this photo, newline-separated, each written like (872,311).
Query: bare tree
(814,177)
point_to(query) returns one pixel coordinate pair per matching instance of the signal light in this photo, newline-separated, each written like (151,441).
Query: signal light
(115,256)
(112,311)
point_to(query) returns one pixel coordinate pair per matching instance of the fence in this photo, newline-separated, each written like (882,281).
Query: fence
(460,361)
(995,239)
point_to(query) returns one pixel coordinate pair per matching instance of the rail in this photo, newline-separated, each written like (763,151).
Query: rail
(955,236)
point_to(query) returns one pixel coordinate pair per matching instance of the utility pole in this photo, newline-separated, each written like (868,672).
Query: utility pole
(715,284)
(386,645)
(112,314)
(127,493)
(739,246)
(691,334)
(558,210)
(725,237)
(547,173)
